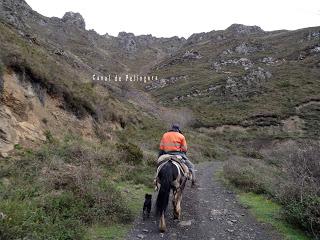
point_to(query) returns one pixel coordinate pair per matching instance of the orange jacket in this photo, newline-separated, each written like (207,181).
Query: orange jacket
(172,142)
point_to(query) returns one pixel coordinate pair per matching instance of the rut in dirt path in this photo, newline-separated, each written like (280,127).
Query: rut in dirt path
(209,212)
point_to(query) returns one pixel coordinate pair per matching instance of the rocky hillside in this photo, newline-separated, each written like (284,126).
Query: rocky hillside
(246,77)
(239,78)
(46,75)
(85,49)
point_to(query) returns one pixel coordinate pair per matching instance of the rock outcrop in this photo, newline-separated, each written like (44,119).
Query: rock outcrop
(74,19)
(313,35)
(233,88)
(8,133)
(16,123)
(163,82)
(191,55)
(13,12)
(243,29)
(127,41)
(27,113)
(131,43)
(248,48)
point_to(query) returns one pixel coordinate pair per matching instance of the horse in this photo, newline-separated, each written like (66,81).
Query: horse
(169,177)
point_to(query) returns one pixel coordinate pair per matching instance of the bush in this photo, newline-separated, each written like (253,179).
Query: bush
(250,174)
(150,158)
(305,213)
(141,175)
(24,219)
(290,174)
(300,192)
(252,154)
(131,153)
(49,136)
(58,191)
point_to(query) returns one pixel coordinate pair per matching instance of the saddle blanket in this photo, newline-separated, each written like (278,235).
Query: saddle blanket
(176,160)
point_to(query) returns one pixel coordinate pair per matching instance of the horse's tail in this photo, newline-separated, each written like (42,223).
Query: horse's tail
(166,178)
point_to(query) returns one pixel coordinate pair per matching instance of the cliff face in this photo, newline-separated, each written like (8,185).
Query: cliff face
(27,113)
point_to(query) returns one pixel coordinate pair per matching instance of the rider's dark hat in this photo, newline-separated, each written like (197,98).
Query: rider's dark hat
(175,127)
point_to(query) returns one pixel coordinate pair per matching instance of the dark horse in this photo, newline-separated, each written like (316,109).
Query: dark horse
(169,177)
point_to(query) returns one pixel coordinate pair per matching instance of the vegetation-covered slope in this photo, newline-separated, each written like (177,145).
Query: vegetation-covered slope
(244,76)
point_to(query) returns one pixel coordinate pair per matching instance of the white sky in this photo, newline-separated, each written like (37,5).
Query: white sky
(166,18)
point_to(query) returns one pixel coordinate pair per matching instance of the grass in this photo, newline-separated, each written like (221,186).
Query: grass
(114,232)
(267,211)
(134,193)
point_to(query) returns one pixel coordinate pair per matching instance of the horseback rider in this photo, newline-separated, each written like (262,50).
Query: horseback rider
(173,142)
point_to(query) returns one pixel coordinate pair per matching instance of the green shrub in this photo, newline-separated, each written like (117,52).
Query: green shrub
(300,192)
(253,154)
(304,213)
(25,219)
(49,136)
(131,152)
(110,206)
(59,190)
(251,175)
(210,153)
(17,147)
(290,174)
(141,175)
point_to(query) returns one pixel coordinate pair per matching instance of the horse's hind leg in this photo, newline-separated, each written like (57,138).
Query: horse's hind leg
(177,204)
(162,223)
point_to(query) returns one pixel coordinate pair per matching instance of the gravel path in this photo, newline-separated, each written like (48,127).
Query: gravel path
(209,212)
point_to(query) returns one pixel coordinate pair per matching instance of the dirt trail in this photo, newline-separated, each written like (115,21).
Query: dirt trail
(209,212)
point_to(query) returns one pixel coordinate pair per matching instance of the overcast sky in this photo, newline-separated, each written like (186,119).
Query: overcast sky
(165,18)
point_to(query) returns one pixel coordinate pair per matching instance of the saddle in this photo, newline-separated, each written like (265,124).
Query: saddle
(178,162)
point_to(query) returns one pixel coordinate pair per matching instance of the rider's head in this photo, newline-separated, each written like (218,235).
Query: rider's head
(175,127)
